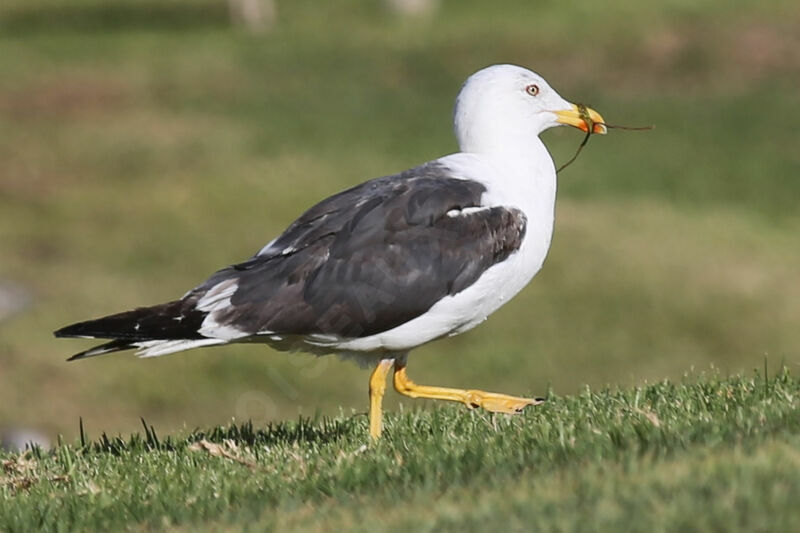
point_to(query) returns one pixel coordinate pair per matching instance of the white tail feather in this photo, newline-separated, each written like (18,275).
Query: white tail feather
(158,348)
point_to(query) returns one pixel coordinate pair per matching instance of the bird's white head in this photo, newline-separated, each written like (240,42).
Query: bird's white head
(506,107)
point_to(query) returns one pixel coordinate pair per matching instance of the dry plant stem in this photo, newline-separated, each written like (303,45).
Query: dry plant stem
(578,151)
(584,111)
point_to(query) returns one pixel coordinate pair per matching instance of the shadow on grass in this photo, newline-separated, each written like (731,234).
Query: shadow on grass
(303,431)
(114,16)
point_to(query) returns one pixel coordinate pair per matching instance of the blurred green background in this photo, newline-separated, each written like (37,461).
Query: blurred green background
(146,144)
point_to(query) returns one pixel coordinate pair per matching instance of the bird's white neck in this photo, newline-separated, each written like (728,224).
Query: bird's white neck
(523,170)
(513,145)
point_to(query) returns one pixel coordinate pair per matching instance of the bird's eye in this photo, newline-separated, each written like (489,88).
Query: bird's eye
(532,89)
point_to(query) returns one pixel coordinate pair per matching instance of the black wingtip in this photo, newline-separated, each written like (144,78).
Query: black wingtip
(79,356)
(61,333)
(109,347)
(79,329)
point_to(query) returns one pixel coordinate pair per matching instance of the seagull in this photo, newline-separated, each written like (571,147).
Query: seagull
(393,263)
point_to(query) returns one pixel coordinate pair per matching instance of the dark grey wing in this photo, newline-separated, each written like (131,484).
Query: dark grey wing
(369,258)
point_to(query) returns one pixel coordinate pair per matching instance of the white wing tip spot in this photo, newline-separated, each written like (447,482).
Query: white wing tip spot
(466,211)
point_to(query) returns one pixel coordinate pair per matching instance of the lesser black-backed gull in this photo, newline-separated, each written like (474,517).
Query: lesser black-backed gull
(393,263)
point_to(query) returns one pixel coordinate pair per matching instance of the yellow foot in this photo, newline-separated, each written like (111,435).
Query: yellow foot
(491,401)
(498,403)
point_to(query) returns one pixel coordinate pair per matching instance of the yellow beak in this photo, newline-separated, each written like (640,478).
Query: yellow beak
(582,117)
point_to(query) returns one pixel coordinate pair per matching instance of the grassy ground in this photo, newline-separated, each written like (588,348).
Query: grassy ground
(145,145)
(710,455)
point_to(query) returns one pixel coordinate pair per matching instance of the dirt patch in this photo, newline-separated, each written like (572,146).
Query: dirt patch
(65,97)
(743,53)
(763,48)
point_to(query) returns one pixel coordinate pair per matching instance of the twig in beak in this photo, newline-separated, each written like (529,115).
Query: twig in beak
(583,109)
(574,157)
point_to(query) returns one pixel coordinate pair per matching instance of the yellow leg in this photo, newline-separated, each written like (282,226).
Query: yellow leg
(377,386)
(496,403)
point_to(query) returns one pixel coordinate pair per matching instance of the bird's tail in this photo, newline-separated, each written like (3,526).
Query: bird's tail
(156,330)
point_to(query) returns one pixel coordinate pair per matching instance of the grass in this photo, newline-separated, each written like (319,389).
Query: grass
(707,454)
